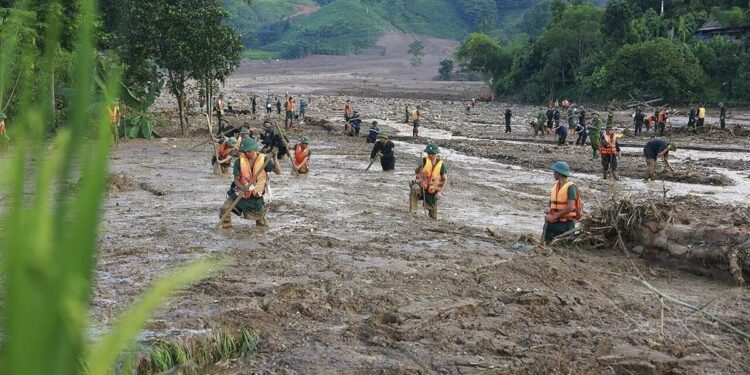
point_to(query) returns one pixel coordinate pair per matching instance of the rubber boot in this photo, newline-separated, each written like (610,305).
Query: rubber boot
(594,155)
(615,176)
(227,222)
(605,174)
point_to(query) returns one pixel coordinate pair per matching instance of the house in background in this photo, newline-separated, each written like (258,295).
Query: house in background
(713,28)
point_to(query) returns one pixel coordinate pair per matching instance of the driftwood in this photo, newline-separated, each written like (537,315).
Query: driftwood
(649,228)
(647,102)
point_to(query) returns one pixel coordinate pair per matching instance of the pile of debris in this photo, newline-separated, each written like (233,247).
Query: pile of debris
(650,228)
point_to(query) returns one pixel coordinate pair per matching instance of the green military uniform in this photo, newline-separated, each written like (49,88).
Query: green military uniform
(418,192)
(595,130)
(541,118)
(249,208)
(571,119)
(610,118)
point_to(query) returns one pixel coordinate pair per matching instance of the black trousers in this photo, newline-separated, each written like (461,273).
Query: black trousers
(388,162)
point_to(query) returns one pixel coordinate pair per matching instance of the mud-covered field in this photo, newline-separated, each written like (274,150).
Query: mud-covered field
(345,280)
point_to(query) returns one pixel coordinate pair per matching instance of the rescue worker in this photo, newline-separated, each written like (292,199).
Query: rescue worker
(356,124)
(691,117)
(348,110)
(595,131)
(508,115)
(661,121)
(638,122)
(272,139)
(650,120)
(583,133)
(562,135)
(701,116)
(582,116)
(416,121)
(541,117)
(468,106)
(550,116)
(114,118)
(278,105)
(269,105)
(571,118)
(610,117)
(610,150)
(4,139)
(556,116)
(563,211)
(384,147)
(302,155)
(250,180)
(722,115)
(372,136)
(225,154)
(254,103)
(302,110)
(430,182)
(407,113)
(655,149)
(289,112)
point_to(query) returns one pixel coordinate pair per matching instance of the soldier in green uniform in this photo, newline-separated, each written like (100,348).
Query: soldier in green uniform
(250,180)
(595,130)
(610,117)
(541,118)
(571,119)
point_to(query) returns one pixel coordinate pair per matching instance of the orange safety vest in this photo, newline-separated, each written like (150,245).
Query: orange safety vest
(223,150)
(257,175)
(701,112)
(289,106)
(430,175)
(662,116)
(300,154)
(608,146)
(559,201)
(2,129)
(114,114)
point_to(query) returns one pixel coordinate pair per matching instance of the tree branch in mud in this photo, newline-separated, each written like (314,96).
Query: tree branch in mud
(706,315)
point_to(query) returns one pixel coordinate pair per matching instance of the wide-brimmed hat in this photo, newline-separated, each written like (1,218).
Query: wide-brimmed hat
(562,168)
(248,145)
(231,141)
(3,116)
(432,149)
(383,135)
(245,131)
(304,140)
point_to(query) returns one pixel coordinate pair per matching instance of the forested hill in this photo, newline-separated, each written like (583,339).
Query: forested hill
(294,28)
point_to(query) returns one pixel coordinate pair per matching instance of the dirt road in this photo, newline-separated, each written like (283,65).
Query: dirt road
(346,280)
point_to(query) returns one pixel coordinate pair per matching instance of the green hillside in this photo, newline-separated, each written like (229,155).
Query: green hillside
(295,28)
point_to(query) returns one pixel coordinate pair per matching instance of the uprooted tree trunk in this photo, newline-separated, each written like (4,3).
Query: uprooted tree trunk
(648,229)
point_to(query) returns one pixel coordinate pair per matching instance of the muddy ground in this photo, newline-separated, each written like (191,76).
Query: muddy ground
(345,280)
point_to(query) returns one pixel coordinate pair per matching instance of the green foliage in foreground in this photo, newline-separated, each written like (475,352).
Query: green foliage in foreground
(52,194)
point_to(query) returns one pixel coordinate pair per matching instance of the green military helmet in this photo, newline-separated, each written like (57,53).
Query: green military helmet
(3,116)
(248,145)
(231,141)
(305,140)
(383,135)
(432,149)
(245,131)
(672,146)
(562,168)
(595,113)
(609,127)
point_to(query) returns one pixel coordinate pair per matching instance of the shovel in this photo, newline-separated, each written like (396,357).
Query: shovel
(234,204)
(372,161)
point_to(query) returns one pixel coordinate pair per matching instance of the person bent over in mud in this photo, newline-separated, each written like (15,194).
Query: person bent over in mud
(384,147)
(654,149)
(250,180)
(430,182)
(302,155)
(225,151)
(564,204)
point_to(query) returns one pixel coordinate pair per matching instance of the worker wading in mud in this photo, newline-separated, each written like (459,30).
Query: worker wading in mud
(565,206)
(250,180)
(302,155)
(655,149)
(225,151)
(384,148)
(429,184)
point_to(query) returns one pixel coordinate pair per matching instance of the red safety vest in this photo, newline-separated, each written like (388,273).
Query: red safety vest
(608,145)
(300,154)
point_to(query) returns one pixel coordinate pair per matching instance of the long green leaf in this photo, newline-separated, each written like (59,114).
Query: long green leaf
(106,351)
